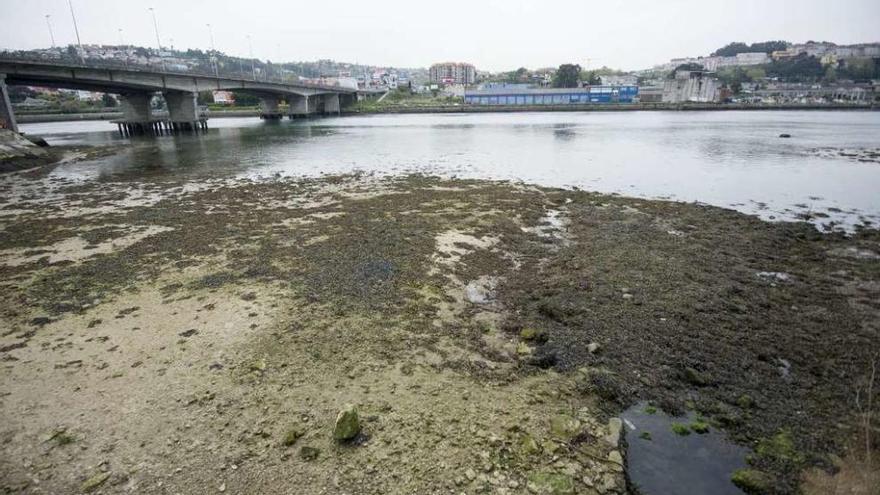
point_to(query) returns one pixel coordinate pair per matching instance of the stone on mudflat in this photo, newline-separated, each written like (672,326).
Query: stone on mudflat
(564,427)
(543,483)
(348,424)
(593,347)
(614,427)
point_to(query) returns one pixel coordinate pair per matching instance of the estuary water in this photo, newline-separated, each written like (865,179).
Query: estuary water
(828,171)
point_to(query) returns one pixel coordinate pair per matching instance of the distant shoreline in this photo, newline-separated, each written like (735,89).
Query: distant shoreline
(621,107)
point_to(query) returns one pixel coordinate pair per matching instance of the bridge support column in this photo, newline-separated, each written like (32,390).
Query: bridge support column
(137,117)
(301,106)
(269,108)
(183,110)
(331,104)
(7,116)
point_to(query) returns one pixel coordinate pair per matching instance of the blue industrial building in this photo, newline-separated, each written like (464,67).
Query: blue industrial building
(551,96)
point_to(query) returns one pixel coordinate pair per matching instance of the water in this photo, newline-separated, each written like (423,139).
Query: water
(729,159)
(672,464)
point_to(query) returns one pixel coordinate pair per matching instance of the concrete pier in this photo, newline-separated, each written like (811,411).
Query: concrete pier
(301,106)
(183,110)
(7,117)
(269,107)
(331,104)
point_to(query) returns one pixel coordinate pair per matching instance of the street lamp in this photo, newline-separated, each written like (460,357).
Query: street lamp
(251,53)
(213,51)
(82,57)
(158,42)
(122,45)
(51,34)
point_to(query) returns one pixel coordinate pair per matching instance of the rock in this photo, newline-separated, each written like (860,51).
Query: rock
(627,296)
(564,427)
(616,459)
(528,445)
(614,427)
(523,349)
(470,474)
(221,488)
(94,482)
(608,484)
(593,347)
(348,424)
(529,333)
(292,435)
(785,136)
(307,453)
(188,333)
(752,481)
(544,483)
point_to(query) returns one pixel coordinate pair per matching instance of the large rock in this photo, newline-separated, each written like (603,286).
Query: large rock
(544,483)
(348,424)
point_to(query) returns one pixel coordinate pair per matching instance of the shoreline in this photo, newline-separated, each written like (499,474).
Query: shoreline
(462,317)
(74,117)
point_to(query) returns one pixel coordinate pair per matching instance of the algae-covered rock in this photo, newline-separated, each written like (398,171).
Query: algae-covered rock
(529,446)
(700,427)
(94,482)
(348,424)
(564,427)
(308,453)
(292,435)
(543,483)
(529,333)
(752,481)
(523,349)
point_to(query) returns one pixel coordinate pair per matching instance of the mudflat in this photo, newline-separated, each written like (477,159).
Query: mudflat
(177,336)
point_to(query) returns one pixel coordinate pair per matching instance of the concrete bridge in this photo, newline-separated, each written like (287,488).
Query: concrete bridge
(137,86)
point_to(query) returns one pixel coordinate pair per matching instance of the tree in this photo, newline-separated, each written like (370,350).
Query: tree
(731,49)
(243,99)
(591,77)
(567,76)
(109,100)
(206,97)
(803,68)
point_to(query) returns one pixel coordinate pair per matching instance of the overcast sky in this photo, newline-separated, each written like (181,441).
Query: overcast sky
(492,34)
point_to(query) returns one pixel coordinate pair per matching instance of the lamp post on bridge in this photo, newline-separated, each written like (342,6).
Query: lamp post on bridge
(158,41)
(251,53)
(213,51)
(82,57)
(122,44)
(51,34)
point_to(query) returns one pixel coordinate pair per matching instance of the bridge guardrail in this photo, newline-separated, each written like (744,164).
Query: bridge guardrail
(247,76)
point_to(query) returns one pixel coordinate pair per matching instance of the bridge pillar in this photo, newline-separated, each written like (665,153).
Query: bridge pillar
(137,116)
(269,107)
(300,106)
(7,116)
(331,103)
(183,110)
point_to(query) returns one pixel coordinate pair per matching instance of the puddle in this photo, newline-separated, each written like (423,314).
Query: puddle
(662,462)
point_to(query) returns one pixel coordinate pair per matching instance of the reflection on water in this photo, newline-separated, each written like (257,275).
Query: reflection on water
(730,159)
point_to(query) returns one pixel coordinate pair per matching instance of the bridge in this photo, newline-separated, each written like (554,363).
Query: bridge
(136,87)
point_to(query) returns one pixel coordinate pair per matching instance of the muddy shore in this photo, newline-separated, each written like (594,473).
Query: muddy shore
(174,336)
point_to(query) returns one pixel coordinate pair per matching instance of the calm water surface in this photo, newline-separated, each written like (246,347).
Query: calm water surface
(729,159)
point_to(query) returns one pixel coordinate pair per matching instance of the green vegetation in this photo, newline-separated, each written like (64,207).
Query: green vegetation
(567,76)
(650,410)
(752,481)
(645,435)
(680,429)
(780,448)
(699,426)
(736,47)
(404,98)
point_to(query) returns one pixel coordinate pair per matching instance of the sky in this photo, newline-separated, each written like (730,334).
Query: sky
(494,35)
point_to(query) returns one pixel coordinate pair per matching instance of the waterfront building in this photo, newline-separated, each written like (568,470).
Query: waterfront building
(692,86)
(551,96)
(453,73)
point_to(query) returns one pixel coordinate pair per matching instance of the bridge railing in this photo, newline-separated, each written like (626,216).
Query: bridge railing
(242,74)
